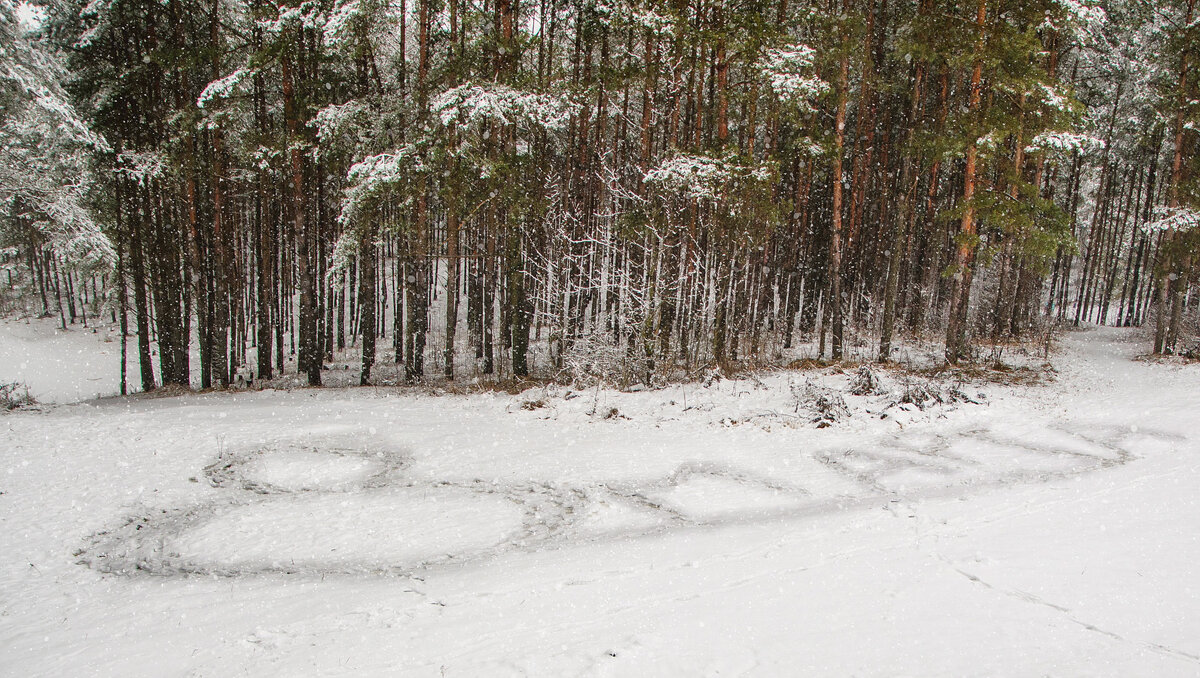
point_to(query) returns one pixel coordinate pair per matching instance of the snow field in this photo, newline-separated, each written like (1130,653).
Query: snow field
(318,505)
(363,532)
(63,366)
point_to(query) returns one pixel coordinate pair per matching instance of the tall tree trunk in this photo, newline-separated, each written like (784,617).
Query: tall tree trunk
(367,265)
(835,241)
(904,220)
(956,329)
(1173,279)
(140,300)
(309,360)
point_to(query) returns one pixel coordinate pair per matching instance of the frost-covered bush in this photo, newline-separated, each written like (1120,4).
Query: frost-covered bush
(864,382)
(593,359)
(824,405)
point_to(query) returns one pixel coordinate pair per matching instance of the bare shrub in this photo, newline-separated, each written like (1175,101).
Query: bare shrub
(922,393)
(15,395)
(594,359)
(825,405)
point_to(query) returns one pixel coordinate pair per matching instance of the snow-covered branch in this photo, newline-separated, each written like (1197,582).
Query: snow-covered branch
(1176,219)
(1065,142)
(786,69)
(373,175)
(701,177)
(222,88)
(493,102)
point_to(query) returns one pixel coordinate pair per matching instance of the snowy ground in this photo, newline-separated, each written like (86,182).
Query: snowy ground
(1049,530)
(64,365)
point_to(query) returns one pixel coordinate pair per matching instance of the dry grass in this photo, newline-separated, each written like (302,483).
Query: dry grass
(15,396)
(993,373)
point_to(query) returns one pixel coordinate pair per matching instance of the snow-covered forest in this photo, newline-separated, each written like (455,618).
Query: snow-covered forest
(637,190)
(653,338)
